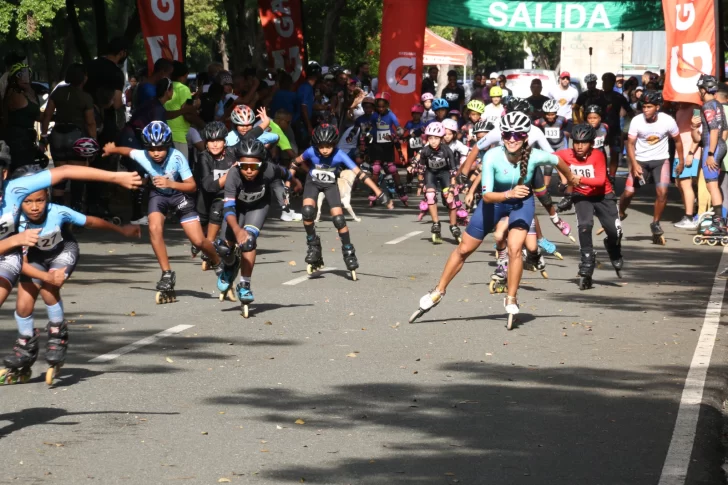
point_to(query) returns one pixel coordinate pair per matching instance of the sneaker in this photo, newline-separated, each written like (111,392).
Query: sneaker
(296,216)
(144,221)
(286,216)
(687,223)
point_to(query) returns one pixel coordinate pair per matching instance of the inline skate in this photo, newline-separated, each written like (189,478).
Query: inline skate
(314,258)
(165,287)
(427,303)
(245,295)
(511,305)
(423,210)
(18,366)
(350,259)
(456,233)
(586,269)
(615,256)
(499,278)
(565,228)
(657,233)
(549,247)
(56,348)
(565,204)
(533,261)
(435,230)
(710,231)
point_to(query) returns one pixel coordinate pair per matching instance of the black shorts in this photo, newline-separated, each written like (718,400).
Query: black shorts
(10,265)
(331,191)
(382,152)
(178,202)
(248,215)
(614,137)
(65,255)
(441,177)
(61,141)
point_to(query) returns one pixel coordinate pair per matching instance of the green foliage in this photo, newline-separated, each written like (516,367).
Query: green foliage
(205,23)
(28,16)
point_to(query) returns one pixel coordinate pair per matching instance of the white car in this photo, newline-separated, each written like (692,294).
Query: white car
(519,80)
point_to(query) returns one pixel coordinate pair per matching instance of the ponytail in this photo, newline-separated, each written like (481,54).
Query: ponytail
(525,156)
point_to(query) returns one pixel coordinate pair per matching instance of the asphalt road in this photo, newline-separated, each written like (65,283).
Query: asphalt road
(327,383)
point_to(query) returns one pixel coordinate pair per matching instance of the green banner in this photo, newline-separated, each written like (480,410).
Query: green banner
(564,16)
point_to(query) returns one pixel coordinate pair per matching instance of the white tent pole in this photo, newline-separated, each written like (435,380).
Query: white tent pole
(465,73)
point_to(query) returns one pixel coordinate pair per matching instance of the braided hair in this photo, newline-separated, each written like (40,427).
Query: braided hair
(525,156)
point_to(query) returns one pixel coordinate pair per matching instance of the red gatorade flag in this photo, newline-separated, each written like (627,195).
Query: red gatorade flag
(283,30)
(162,29)
(690,32)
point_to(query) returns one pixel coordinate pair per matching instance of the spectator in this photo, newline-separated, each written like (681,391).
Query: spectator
(361,75)
(305,99)
(536,100)
(180,125)
(453,93)
(284,119)
(478,92)
(129,91)
(212,107)
(284,98)
(507,93)
(148,90)
(565,94)
(104,72)
(21,109)
(213,69)
(429,84)
(10,60)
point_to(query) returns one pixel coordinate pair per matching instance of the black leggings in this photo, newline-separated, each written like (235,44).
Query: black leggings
(605,208)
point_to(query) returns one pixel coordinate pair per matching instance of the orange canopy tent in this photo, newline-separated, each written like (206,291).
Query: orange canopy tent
(442,51)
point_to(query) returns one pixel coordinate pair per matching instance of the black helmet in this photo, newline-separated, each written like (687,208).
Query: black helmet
(313,69)
(652,97)
(325,134)
(250,148)
(481,127)
(594,108)
(24,171)
(518,104)
(709,83)
(215,130)
(4,155)
(583,132)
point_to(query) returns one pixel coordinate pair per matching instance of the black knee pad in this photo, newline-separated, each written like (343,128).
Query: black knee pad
(546,200)
(252,242)
(308,213)
(339,221)
(587,229)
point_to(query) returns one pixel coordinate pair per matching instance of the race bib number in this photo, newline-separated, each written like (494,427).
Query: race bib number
(599,142)
(325,176)
(437,163)
(586,171)
(553,133)
(415,143)
(50,241)
(384,136)
(7,225)
(217,174)
(250,197)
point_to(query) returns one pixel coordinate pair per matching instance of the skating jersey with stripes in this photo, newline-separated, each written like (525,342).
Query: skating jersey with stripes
(174,167)
(212,169)
(15,191)
(554,132)
(52,227)
(239,190)
(711,114)
(500,175)
(324,170)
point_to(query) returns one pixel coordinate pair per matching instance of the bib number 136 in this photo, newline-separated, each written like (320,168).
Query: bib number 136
(586,171)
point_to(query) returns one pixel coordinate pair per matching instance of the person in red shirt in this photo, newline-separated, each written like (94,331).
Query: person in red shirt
(593,195)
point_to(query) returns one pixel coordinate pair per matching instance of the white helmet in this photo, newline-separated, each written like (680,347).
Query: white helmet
(450,124)
(493,75)
(515,122)
(550,106)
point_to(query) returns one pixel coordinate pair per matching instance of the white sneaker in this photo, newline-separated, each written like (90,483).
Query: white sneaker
(144,221)
(286,216)
(295,215)
(686,223)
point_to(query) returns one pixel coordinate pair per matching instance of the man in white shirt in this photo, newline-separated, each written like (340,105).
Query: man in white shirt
(565,94)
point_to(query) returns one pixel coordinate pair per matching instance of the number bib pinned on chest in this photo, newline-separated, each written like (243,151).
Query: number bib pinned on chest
(583,170)
(250,197)
(217,174)
(552,133)
(7,225)
(324,175)
(49,241)
(383,133)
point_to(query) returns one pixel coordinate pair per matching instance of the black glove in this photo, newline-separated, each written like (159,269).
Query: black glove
(417,133)
(562,188)
(461,178)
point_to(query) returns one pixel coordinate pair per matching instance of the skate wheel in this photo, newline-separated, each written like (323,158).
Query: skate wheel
(724,241)
(697,240)
(491,286)
(711,242)
(544,274)
(245,311)
(558,255)
(601,230)
(159,298)
(417,314)
(511,319)
(232,296)
(3,376)
(353,275)
(116,221)
(222,296)
(619,273)
(50,374)
(584,283)
(572,239)
(460,240)
(309,269)
(205,266)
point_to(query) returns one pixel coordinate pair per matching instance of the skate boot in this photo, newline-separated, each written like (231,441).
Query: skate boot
(350,259)
(314,258)
(586,269)
(423,210)
(511,305)
(499,278)
(456,233)
(435,230)
(165,287)
(245,295)
(372,200)
(205,262)
(17,366)
(226,277)
(56,348)
(657,233)
(402,194)
(565,204)
(565,229)
(427,302)
(615,256)
(534,262)
(710,232)
(549,247)
(194,250)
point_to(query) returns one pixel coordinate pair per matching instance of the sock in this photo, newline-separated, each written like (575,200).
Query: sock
(310,230)
(55,312)
(25,324)
(345,238)
(245,279)
(555,218)
(717,213)
(286,208)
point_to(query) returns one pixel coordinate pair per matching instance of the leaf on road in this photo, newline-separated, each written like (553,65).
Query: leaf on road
(300,421)
(279,426)
(57,445)
(352,355)
(168,360)
(268,323)
(351,314)
(395,325)
(291,263)
(264,451)
(488,353)
(224,480)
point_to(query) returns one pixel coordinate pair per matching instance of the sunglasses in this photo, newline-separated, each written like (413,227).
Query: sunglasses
(249,165)
(510,135)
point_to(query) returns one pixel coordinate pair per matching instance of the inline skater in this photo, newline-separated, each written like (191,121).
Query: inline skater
(385,133)
(475,109)
(460,150)
(594,194)
(440,107)
(50,262)
(507,174)
(25,349)
(413,130)
(713,128)
(440,165)
(554,128)
(323,161)
(593,117)
(247,199)
(494,110)
(649,156)
(592,96)
(173,182)
(428,115)
(243,119)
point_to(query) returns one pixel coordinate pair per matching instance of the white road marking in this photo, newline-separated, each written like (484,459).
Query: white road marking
(140,343)
(406,236)
(301,279)
(675,469)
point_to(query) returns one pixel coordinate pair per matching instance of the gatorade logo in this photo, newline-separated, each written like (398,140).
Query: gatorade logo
(401,76)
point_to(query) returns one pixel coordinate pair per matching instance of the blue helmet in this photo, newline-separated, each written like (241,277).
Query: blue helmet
(440,103)
(157,134)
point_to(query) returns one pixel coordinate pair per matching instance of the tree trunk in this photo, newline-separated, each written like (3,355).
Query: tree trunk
(67,54)
(80,42)
(331,26)
(233,40)
(133,26)
(442,78)
(102,41)
(222,45)
(47,39)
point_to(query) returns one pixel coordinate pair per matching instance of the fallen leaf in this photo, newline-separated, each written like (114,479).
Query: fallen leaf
(300,421)
(264,451)
(168,360)
(291,263)
(279,427)
(268,323)
(133,313)
(204,432)
(488,353)
(351,314)
(449,474)
(224,480)
(352,355)
(57,445)
(333,250)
